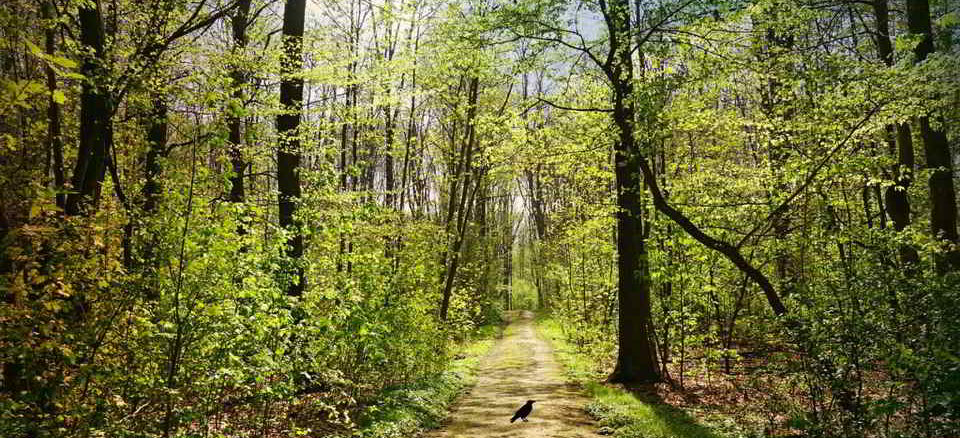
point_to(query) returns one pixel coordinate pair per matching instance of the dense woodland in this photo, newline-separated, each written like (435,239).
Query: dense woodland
(261,217)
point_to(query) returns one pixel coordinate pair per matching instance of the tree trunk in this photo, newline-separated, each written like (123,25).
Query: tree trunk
(156,149)
(943,198)
(539,221)
(388,164)
(636,358)
(54,112)
(288,128)
(91,166)
(238,24)
(897,201)
(465,170)
(776,43)
(506,247)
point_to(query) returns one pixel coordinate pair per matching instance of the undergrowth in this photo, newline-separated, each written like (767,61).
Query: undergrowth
(620,412)
(406,411)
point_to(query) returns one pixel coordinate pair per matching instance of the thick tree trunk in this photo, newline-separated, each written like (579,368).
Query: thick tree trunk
(943,198)
(636,359)
(91,164)
(288,128)
(637,356)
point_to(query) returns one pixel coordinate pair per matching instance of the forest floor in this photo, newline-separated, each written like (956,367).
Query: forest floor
(521,366)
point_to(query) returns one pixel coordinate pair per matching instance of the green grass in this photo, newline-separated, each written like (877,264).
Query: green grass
(632,415)
(618,411)
(403,412)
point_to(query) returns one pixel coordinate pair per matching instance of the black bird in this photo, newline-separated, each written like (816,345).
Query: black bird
(523,411)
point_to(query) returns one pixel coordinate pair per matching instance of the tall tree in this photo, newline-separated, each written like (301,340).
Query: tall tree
(239,21)
(943,197)
(288,128)
(900,143)
(95,110)
(54,111)
(461,200)
(776,105)
(636,357)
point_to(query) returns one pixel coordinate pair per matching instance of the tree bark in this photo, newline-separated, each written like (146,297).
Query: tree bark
(506,245)
(90,168)
(288,128)
(156,150)
(943,198)
(776,43)
(54,111)
(465,169)
(897,200)
(238,24)
(636,356)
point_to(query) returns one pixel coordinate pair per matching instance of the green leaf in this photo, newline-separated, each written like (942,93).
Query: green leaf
(59,97)
(35,49)
(61,61)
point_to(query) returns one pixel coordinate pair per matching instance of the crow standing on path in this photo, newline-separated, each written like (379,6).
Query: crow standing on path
(523,411)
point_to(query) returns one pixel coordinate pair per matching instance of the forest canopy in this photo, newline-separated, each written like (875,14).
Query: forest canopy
(310,217)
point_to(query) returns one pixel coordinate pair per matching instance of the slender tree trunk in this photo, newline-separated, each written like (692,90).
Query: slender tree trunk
(465,171)
(344,175)
(897,202)
(238,24)
(411,122)
(156,150)
(54,111)
(388,165)
(540,225)
(943,197)
(288,128)
(666,286)
(506,250)
(776,43)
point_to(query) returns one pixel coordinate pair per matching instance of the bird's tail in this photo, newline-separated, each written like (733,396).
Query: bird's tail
(514,418)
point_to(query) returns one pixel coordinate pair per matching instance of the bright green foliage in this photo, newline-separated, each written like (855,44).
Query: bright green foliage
(736,124)
(405,411)
(464,148)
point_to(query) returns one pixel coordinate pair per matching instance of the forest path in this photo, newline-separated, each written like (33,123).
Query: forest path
(520,367)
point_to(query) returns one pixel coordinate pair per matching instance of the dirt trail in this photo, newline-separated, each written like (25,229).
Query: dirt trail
(519,367)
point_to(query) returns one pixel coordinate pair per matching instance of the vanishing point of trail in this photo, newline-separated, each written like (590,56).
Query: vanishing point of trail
(519,367)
